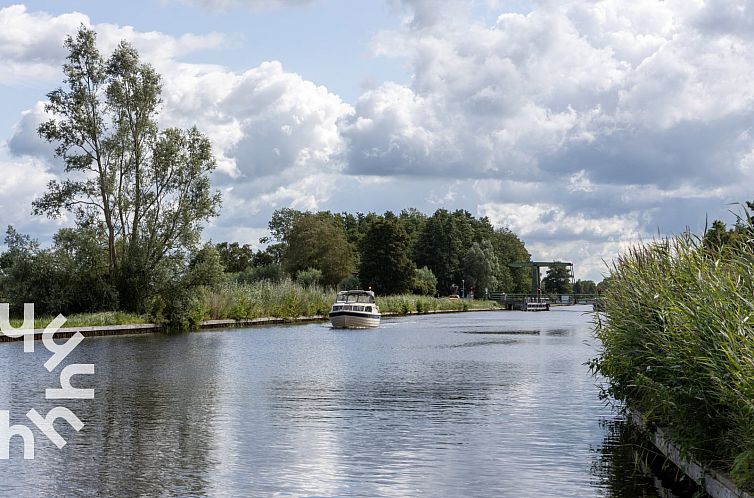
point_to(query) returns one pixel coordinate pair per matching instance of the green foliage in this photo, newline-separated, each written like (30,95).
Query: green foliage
(425,282)
(205,269)
(444,242)
(678,343)
(70,277)
(235,257)
(413,222)
(411,303)
(351,282)
(100,319)
(177,303)
(481,267)
(269,273)
(281,225)
(584,287)
(319,242)
(509,248)
(309,277)
(386,265)
(145,192)
(557,281)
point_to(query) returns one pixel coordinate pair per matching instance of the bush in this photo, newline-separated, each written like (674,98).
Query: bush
(425,282)
(179,312)
(309,277)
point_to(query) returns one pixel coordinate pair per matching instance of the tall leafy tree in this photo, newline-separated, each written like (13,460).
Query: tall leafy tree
(319,242)
(557,281)
(584,287)
(445,240)
(481,267)
(413,221)
(147,191)
(386,263)
(509,248)
(234,257)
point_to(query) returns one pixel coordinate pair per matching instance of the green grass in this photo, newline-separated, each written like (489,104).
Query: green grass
(678,344)
(89,319)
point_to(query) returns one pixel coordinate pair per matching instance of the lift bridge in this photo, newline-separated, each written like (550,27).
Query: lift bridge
(533,301)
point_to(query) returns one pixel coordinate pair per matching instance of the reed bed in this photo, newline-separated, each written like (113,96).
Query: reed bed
(677,343)
(286,299)
(289,299)
(408,303)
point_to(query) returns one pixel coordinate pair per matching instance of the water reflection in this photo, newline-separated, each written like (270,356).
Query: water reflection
(627,466)
(418,407)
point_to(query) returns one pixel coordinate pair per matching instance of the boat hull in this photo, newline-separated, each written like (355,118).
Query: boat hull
(354,320)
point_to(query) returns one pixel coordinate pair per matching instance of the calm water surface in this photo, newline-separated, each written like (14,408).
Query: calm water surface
(475,404)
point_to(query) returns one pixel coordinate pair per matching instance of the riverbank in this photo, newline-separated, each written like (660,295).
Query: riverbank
(152,328)
(678,346)
(714,483)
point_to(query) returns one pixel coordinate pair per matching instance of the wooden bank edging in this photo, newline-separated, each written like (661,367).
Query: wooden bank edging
(716,484)
(151,328)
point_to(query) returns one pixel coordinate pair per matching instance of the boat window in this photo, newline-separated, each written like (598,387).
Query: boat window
(369,309)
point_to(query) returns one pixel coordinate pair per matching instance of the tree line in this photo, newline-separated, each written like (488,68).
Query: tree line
(389,253)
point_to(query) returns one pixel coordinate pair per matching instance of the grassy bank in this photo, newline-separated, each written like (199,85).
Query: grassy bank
(678,344)
(89,320)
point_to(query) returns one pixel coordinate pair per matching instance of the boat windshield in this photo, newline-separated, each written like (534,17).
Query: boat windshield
(355,297)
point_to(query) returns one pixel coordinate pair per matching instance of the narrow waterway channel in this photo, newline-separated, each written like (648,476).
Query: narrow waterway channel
(472,404)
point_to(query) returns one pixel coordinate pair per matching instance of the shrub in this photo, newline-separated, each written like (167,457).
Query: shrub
(425,282)
(309,277)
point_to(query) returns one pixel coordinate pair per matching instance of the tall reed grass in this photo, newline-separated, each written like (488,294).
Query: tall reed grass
(285,299)
(410,303)
(289,299)
(678,344)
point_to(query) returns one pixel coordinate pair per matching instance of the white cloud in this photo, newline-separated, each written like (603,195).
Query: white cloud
(23,180)
(31,43)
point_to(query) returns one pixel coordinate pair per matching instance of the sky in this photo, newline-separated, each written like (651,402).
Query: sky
(585,126)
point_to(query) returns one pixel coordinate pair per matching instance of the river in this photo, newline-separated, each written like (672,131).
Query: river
(471,404)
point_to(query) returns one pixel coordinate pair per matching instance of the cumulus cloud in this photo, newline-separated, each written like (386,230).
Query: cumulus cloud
(23,179)
(31,43)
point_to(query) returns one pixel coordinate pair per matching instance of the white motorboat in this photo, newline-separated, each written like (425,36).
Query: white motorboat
(355,309)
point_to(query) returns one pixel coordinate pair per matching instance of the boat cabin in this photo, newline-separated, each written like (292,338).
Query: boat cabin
(355,300)
(355,296)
